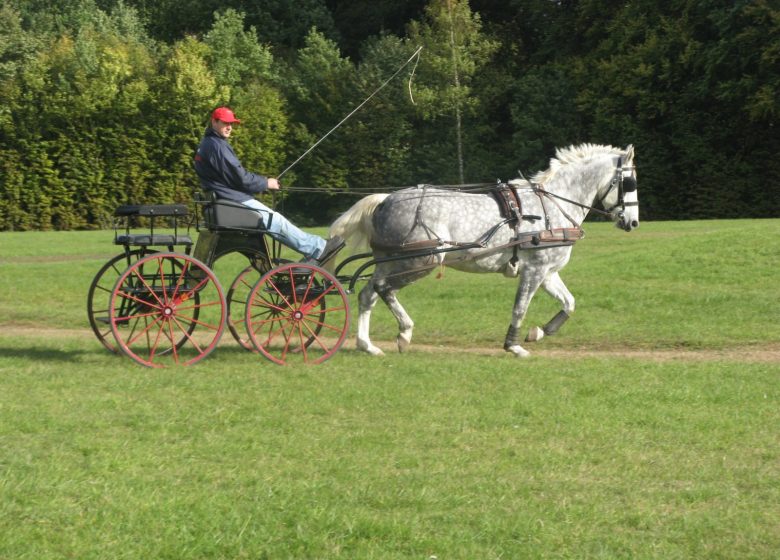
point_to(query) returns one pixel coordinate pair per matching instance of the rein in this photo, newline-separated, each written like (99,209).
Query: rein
(539,190)
(624,184)
(356,109)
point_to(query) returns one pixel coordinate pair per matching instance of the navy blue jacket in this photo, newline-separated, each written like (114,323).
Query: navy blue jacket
(220,171)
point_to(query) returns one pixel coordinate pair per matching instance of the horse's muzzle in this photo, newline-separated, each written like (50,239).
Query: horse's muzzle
(627,225)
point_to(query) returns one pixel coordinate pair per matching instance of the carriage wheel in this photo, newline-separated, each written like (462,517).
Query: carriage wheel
(166,309)
(99,295)
(297,313)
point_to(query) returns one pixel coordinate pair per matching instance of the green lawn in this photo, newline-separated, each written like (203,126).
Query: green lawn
(449,453)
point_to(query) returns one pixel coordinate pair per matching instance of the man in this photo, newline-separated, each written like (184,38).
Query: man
(220,172)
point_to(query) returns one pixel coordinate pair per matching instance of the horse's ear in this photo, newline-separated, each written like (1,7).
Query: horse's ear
(630,152)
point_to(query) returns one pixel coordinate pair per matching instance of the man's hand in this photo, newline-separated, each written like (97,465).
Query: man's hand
(273,184)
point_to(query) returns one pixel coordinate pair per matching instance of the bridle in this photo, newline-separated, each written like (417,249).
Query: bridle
(623,180)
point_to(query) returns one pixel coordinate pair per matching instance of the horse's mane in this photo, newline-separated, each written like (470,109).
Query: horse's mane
(573,154)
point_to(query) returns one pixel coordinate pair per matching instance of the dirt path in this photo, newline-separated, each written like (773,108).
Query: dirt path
(764,353)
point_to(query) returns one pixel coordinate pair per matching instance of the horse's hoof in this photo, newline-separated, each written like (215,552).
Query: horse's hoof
(518,351)
(535,335)
(403,343)
(370,348)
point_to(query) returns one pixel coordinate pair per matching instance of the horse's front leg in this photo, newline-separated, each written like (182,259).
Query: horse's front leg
(366,301)
(529,283)
(554,286)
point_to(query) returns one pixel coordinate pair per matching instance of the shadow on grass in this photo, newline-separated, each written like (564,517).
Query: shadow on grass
(40,353)
(232,351)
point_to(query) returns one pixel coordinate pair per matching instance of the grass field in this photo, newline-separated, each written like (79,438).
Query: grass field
(648,428)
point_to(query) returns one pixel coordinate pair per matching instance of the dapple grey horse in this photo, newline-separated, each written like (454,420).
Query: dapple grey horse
(530,234)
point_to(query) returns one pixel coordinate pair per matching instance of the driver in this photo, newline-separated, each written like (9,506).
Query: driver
(220,172)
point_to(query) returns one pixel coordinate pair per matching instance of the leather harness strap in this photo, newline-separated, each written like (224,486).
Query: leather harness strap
(508,202)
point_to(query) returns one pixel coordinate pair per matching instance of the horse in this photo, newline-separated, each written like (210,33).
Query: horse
(526,228)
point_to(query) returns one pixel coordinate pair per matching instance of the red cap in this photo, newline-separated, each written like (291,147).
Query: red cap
(225,115)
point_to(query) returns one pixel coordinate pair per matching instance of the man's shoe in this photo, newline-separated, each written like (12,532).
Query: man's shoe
(333,246)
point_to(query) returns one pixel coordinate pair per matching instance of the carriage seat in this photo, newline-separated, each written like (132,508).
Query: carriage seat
(146,239)
(174,212)
(152,210)
(220,214)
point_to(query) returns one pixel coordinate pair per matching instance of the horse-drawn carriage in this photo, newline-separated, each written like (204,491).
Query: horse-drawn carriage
(160,302)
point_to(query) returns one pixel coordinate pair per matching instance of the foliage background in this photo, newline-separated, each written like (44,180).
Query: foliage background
(102,102)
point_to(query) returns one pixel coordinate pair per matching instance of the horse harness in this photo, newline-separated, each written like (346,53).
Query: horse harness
(510,206)
(511,211)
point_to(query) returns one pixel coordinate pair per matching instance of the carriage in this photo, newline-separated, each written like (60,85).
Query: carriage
(159,301)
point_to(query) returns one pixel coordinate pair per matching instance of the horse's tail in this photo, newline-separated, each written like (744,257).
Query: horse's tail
(354,225)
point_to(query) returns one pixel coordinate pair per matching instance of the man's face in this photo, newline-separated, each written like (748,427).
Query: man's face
(222,128)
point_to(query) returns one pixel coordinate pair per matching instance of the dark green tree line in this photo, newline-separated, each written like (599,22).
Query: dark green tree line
(102,102)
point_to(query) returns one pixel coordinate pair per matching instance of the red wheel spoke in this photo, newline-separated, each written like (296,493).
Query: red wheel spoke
(153,347)
(319,297)
(316,338)
(174,346)
(308,288)
(270,306)
(271,332)
(287,339)
(144,331)
(193,321)
(198,306)
(302,342)
(281,295)
(186,334)
(263,322)
(293,286)
(136,316)
(323,324)
(131,297)
(149,288)
(160,263)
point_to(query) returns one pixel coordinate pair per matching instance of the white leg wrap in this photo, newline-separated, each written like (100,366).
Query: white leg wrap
(518,351)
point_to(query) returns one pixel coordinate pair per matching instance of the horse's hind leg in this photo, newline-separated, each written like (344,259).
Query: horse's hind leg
(366,301)
(554,286)
(405,323)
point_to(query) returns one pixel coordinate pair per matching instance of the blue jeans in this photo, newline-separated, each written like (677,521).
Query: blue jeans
(309,245)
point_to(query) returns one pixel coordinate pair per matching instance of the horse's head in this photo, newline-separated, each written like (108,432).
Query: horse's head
(621,199)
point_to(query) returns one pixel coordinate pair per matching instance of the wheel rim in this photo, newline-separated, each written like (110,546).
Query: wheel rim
(237,296)
(99,296)
(167,309)
(297,313)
